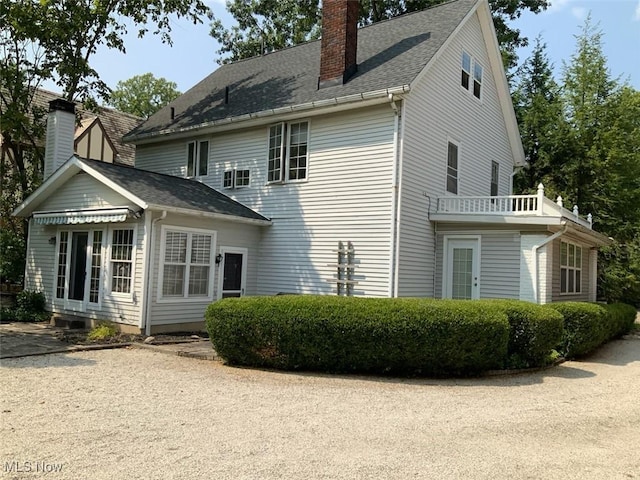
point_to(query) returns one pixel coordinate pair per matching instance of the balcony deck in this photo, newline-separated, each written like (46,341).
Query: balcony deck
(533,206)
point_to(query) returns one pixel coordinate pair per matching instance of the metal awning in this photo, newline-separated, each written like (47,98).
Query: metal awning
(73,217)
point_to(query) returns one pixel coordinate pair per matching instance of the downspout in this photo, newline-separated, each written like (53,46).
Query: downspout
(534,251)
(149,266)
(393,254)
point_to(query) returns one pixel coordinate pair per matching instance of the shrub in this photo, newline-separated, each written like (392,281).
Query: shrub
(346,334)
(12,259)
(30,307)
(103,331)
(589,325)
(621,318)
(534,332)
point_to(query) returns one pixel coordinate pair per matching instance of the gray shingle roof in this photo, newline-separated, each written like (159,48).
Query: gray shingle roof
(172,192)
(390,54)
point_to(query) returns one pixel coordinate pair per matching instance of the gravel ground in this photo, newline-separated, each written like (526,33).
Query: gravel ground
(132,414)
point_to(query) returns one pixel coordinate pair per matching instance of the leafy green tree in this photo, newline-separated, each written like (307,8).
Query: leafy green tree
(143,95)
(56,39)
(268,25)
(538,107)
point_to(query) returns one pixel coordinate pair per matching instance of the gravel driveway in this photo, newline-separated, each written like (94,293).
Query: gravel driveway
(130,413)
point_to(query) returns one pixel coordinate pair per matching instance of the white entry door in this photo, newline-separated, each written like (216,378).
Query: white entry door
(462,268)
(233,270)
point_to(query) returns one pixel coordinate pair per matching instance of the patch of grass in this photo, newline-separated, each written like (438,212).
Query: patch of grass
(103,331)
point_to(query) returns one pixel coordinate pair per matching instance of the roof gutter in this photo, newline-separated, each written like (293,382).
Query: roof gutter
(534,251)
(216,216)
(373,97)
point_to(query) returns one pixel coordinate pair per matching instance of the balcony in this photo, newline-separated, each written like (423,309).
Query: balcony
(510,207)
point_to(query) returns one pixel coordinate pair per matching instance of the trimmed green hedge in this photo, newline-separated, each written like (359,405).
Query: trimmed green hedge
(589,325)
(346,334)
(534,332)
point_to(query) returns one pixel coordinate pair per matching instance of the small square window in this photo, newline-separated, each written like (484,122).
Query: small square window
(228,179)
(242,178)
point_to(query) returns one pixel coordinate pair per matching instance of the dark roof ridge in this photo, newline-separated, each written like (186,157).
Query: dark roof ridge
(364,27)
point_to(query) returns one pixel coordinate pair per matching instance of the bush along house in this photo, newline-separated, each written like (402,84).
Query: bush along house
(373,162)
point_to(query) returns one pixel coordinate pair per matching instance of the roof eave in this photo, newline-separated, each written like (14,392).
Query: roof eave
(217,216)
(265,116)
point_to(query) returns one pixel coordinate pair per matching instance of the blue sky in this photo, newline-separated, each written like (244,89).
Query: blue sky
(193,55)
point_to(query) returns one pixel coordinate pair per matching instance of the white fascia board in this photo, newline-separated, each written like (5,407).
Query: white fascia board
(265,117)
(215,216)
(502,85)
(50,185)
(495,219)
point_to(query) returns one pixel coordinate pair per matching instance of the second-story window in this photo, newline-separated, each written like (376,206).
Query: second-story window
(288,155)
(236,178)
(495,174)
(469,65)
(452,168)
(197,158)
(466,70)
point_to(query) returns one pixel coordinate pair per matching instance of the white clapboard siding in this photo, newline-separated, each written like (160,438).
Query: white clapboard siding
(84,191)
(228,234)
(437,110)
(347,197)
(40,261)
(499,261)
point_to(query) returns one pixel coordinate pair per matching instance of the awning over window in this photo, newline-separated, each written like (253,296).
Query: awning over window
(112,215)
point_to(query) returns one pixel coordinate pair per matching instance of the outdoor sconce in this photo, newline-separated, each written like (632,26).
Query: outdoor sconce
(218,258)
(52,240)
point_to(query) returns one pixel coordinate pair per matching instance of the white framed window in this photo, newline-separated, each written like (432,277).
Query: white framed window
(121,260)
(288,152)
(186,264)
(570,268)
(477,79)
(452,168)
(495,176)
(469,66)
(198,158)
(466,70)
(236,178)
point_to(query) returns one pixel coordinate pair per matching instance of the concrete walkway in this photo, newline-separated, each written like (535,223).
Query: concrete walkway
(29,339)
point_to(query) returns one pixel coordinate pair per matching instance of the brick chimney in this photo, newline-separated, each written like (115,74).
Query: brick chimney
(61,128)
(339,42)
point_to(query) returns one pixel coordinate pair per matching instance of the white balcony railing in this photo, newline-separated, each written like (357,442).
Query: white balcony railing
(524,205)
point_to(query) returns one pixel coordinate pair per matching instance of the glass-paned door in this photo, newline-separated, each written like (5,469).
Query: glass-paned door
(462,269)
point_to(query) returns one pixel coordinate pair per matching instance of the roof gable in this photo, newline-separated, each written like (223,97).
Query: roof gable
(390,54)
(147,190)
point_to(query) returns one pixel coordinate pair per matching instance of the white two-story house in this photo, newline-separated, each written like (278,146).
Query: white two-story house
(372,162)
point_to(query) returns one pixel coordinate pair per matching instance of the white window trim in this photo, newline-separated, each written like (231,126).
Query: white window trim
(446,166)
(197,144)
(79,305)
(161,263)
(286,146)
(469,90)
(445,290)
(108,293)
(470,72)
(580,269)
(234,178)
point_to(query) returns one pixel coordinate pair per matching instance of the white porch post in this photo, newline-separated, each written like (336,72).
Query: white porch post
(540,198)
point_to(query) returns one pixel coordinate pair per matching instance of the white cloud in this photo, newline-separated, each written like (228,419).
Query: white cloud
(636,15)
(579,12)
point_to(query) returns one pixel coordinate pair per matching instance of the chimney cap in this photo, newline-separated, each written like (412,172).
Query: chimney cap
(62,105)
